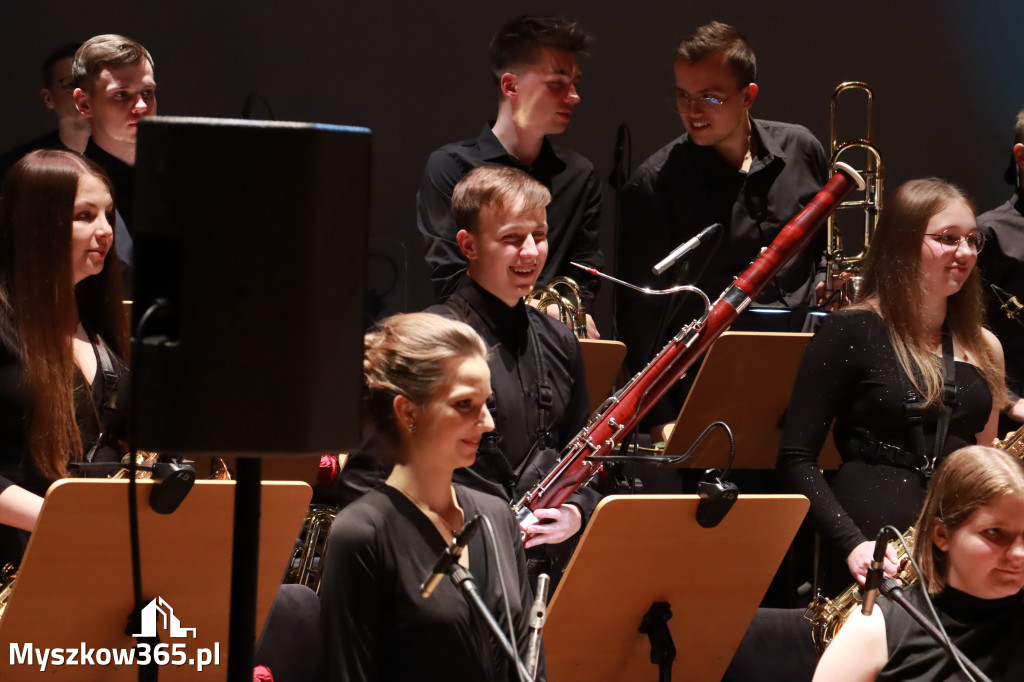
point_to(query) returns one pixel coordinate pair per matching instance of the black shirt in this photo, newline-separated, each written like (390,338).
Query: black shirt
(573,213)
(50,140)
(849,374)
(1002,263)
(988,632)
(514,382)
(683,188)
(376,625)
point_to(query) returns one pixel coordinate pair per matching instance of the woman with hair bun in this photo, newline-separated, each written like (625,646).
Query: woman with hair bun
(970,547)
(426,388)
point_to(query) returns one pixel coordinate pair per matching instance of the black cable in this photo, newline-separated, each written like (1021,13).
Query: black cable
(158,305)
(953,651)
(676,461)
(504,592)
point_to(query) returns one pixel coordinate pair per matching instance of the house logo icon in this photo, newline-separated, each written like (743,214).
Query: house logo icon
(171,622)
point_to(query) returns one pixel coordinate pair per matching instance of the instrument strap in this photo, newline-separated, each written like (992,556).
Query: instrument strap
(545,401)
(914,408)
(110,390)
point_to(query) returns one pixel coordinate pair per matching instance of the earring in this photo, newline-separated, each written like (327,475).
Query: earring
(412,427)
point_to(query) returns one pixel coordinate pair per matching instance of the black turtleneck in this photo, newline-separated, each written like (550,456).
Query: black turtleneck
(987,631)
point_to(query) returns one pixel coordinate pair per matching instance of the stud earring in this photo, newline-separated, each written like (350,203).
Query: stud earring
(412,428)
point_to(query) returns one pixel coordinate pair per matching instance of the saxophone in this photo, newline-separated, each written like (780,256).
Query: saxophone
(827,616)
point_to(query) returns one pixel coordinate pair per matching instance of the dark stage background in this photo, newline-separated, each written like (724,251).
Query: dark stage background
(946,75)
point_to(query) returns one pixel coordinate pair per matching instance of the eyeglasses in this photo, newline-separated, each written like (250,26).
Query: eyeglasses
(975,241)
(680,100)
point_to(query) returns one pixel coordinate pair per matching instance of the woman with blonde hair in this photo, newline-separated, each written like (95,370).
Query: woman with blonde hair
(427,384)
(970,548)
(908,374)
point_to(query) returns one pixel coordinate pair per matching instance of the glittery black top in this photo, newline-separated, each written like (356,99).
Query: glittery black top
(850,374)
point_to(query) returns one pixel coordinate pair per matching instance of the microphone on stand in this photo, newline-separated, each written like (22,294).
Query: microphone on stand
(876,572)
(685,248)
(449,557)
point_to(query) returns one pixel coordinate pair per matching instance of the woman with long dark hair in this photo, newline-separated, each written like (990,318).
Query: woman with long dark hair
(969,543)
(908,374)
(63,332)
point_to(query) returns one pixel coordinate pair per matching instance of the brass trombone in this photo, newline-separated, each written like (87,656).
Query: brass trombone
(842,264)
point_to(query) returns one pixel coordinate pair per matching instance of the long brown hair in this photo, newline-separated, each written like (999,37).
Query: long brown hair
(39,304)
(969,479)
(892,279)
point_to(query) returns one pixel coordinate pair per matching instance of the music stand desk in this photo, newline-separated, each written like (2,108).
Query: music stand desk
(602,361)
(642,549)
(746,381)
(74,584)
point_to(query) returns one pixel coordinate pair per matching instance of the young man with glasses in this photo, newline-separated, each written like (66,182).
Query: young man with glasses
(533,62)
(749,175)
(1002,264)
(72,130)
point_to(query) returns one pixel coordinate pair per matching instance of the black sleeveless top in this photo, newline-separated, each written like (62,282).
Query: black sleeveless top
(990,632)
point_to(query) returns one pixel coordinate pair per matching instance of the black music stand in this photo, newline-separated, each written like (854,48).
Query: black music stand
(640,551)
(745,381)
(75,584)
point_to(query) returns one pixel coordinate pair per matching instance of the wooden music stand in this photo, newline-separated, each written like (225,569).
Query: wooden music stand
(642,549)
(745,380)
(74,584)
(602,360)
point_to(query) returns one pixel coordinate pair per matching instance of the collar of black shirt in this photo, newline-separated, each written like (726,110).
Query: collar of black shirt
(509,324)
(547,163)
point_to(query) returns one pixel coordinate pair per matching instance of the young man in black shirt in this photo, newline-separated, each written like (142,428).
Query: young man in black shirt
(533,61)
(537,374)
(752,176)
(1002,264)
(72,130)
(114,88)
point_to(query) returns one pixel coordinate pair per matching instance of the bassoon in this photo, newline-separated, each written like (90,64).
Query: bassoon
(620,413)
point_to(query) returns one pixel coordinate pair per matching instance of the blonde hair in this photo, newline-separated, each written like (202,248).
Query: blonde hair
(969,479)
(501,187)
(408,355)
(892,278)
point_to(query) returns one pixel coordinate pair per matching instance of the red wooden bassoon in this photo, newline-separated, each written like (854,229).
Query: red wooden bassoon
(621,412)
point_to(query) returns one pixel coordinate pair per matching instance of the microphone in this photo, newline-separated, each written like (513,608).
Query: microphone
(876,572)
(449,557)
(685,248)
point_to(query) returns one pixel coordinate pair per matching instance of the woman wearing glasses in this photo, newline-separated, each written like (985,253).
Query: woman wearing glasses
(908,374)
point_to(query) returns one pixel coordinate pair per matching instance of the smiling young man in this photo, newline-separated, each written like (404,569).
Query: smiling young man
(533,62)
(537,374)
(752,176)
